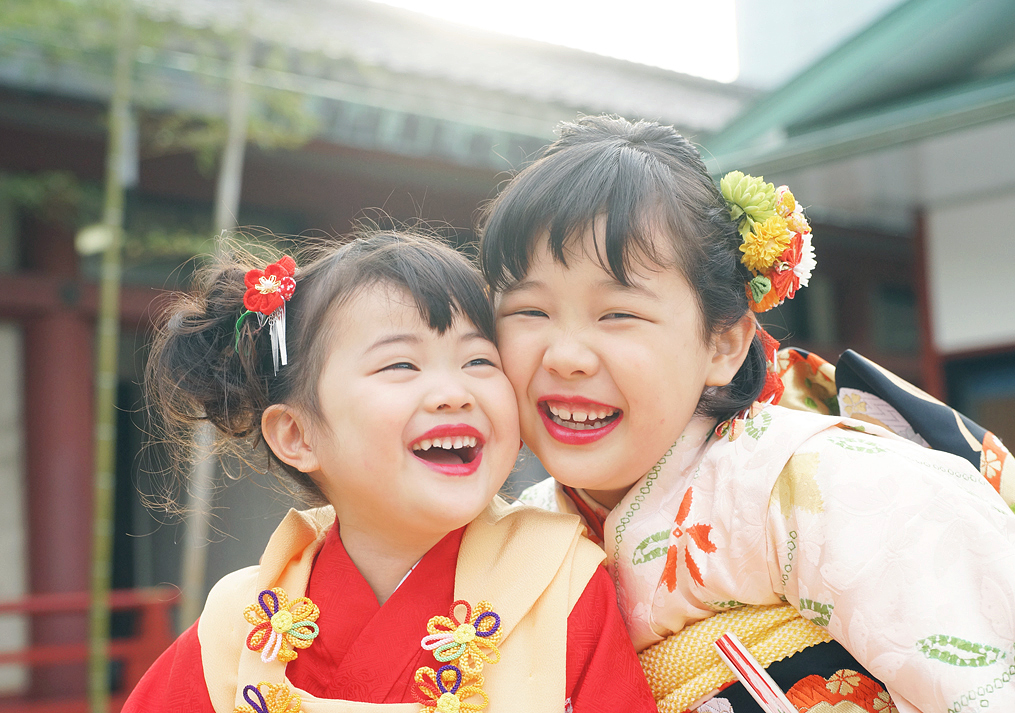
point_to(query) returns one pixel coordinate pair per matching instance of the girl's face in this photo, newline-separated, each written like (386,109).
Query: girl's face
(417,430)
(606,376)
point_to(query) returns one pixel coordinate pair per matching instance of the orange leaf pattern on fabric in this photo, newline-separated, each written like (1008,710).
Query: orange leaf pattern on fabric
(697,533)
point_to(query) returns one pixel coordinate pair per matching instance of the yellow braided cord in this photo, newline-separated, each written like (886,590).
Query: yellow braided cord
(685,667)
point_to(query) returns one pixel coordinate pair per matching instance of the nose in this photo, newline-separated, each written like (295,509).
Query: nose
(570,357)
(449,394)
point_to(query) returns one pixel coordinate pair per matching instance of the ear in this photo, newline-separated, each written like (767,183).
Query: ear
(285,430)
(730,350)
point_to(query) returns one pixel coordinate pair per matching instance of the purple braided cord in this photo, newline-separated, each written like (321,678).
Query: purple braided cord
(440,678)
(274,597)
(496,624)
(263,707)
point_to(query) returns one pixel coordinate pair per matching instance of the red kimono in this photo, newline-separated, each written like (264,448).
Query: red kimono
(367,652)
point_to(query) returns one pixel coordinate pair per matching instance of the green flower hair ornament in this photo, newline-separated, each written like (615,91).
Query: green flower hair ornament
(749,198)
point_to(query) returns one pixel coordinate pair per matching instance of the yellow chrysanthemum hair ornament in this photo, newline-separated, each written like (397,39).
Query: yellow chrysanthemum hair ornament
(776,238)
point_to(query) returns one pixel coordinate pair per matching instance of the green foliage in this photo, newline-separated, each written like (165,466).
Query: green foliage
(54,195)
(46,34)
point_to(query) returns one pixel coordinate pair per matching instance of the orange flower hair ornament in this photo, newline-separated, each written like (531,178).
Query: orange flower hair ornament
(776,238)
(267,292)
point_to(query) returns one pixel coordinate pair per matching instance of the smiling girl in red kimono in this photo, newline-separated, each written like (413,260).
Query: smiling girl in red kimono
(414,586)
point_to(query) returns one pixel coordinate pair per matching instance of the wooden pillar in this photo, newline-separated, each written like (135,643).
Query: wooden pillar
(931,364)
(58,433)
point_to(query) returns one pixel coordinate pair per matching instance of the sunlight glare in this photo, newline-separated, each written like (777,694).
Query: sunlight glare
(689,36)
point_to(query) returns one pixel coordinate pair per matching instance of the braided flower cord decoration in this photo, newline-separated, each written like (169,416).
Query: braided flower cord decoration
(281,626)
(472,641)
(776,238)
(469,642)
(443,690)
(277,698)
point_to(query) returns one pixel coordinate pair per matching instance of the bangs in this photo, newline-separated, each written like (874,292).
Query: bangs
(563,194)
(443,286)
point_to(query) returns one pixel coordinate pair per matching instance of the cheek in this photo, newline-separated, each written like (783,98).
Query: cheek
(518,356)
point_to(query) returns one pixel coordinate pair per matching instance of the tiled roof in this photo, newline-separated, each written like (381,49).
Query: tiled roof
(420,49)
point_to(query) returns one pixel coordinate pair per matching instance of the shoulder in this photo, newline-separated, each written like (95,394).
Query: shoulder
(175,680)
(222,630)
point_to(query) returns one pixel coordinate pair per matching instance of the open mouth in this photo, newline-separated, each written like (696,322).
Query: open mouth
(447,451)
(577,423)
(452,450)
(581,418)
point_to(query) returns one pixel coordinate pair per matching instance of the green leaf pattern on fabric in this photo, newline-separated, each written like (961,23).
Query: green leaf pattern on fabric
(820,614)
(647,550)
(959,652)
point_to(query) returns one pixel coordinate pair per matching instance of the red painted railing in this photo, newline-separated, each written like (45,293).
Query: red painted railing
(152,633)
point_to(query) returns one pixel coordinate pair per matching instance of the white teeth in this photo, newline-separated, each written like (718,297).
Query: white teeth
(576,425)
(581,416)
(449,443)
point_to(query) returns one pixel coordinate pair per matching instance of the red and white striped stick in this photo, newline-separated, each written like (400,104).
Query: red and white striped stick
(751,673)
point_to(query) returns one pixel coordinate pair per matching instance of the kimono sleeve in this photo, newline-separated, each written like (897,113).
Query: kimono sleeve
(906,556)
(175,682)
(603,673)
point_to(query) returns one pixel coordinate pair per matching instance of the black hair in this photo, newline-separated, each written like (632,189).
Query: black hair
(643,177)
(200,369)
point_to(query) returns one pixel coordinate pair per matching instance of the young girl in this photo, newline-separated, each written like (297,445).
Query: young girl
(370,374)
(625,282)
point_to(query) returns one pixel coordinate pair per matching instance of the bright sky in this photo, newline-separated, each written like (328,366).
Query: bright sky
(696,37)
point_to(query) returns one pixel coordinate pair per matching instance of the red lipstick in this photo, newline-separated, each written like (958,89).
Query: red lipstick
(571,436)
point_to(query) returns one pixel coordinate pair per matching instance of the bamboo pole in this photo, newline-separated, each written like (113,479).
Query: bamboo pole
(227,206)
(107,349)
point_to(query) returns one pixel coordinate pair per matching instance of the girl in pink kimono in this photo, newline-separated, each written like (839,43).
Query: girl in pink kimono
(866,573)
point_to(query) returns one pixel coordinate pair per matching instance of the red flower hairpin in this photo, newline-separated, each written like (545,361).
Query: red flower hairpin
(267,292)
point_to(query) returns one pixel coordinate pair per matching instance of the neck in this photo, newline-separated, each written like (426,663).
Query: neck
(607,498)
(382,562)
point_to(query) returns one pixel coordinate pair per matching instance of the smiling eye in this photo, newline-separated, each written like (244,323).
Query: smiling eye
(401,365)
(481,361)
(529,313)
(618,315)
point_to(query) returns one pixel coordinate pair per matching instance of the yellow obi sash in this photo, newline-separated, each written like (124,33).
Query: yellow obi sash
(685,668)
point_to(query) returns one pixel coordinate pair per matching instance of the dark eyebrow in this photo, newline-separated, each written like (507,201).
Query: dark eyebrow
(616,286)
(406,338)
(473,335)
(522,285)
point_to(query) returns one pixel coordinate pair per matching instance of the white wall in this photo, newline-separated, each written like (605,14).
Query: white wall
(972,273)
(965,183)
(12,524)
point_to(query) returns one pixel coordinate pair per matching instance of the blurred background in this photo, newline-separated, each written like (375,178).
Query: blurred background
(134,131)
